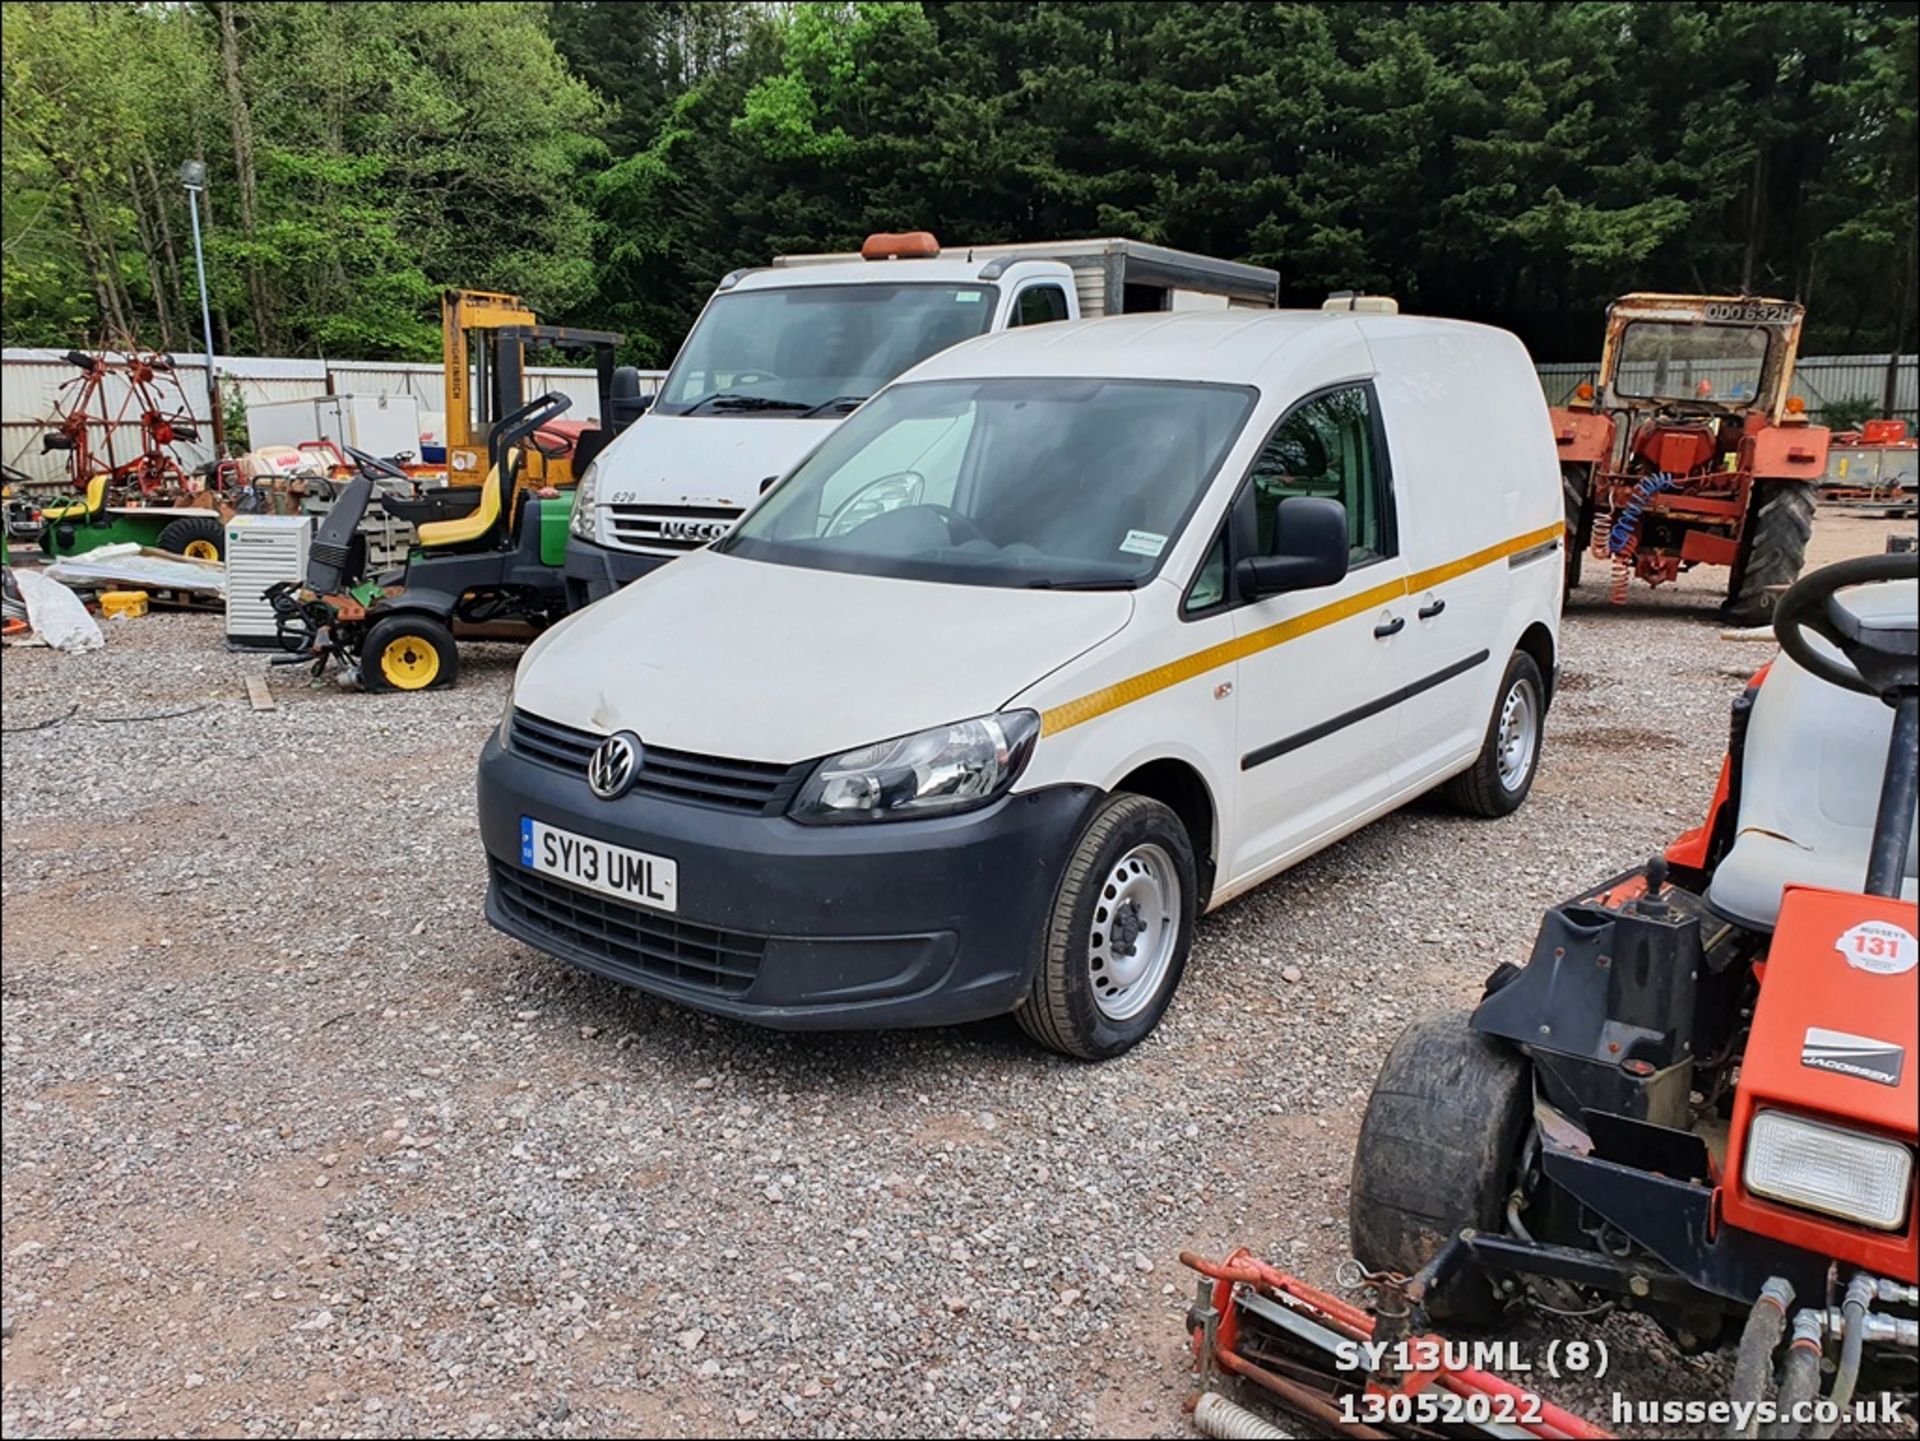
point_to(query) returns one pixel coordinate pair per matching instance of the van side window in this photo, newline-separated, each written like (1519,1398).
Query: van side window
(1040,303)
(1326,447)
(1210,585)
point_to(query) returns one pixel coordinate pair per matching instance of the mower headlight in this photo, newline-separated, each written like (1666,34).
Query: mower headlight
(933,772)
(583,493)
(1823,1168)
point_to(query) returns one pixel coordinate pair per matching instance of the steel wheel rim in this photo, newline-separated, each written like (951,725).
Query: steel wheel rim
(410,662)
(202,550)
(1136,926)
(1519,734)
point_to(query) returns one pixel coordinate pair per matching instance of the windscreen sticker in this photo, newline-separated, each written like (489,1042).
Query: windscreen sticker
(1143,542)
(1880,947)
(967,297)
(1861,1056)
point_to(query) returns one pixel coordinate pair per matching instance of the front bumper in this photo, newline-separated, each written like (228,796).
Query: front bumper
(894,924)
(594,572)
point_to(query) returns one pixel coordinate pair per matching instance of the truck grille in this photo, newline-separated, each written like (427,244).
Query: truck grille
(758,787)
(640,527)
(627,940)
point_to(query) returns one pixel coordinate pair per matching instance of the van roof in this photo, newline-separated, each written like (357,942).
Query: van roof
(1233,346)
(856,271)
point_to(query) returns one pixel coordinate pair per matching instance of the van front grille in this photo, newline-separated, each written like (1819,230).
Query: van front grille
(758,787)
(685,528)
(626,939)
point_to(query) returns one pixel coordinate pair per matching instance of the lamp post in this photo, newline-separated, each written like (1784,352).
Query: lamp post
(193,175)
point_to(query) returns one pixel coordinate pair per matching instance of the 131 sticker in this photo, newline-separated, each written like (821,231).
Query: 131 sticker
(1880,947)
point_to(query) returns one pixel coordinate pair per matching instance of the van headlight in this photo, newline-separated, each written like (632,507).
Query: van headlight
(582,522)
(1858,1178)
(506,711)
(934,772)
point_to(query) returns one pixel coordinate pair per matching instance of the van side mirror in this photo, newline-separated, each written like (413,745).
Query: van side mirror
(1309,549)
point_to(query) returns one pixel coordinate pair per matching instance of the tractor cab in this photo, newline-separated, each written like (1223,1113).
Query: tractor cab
(1691,451)
(1694,360)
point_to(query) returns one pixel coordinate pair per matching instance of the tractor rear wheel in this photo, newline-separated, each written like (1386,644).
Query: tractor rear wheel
(1576,484)
(195,537)
(1438,1152)
(1779,523)
(408,652)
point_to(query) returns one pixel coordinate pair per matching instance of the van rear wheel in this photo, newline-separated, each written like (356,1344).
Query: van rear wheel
(1502,774)
(1117,939)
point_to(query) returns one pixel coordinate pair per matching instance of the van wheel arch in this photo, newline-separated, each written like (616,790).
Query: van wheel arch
(1183,790)
(1537,641)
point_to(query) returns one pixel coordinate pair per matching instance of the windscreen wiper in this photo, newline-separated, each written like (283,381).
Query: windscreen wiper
(730,400)
(1087,583)
(839,402)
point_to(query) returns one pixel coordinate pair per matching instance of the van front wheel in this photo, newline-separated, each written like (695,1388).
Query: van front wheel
(1117,939)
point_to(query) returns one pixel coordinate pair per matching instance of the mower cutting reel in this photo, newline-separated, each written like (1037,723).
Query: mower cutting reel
(1698,1098)
(1346,1371)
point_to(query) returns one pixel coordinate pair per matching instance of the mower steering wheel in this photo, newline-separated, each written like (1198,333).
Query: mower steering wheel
(374,465)
(1878,660)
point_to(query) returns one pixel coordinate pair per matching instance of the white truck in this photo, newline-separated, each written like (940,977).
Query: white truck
(781,354)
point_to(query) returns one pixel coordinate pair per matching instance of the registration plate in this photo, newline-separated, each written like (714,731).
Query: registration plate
(631,876)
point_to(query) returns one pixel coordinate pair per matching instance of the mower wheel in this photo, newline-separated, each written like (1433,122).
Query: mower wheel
(1116,943)
(195,538)
(1502,774)
(1437,1153)
(408,652)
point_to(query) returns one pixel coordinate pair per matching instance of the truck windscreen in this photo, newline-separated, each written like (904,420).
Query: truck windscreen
(815,349)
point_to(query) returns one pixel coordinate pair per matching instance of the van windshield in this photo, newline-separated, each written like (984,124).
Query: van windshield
(817,350)
(1051,482)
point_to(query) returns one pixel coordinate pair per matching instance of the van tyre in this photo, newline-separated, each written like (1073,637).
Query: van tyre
(1438,1152)
(1502,774)
(1117,939)
(192,536)
(1773,549)
(408,652)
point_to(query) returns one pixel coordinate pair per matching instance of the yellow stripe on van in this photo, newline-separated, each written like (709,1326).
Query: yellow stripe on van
(1139,687)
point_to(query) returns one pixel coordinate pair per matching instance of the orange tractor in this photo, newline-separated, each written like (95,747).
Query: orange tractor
(1691,452)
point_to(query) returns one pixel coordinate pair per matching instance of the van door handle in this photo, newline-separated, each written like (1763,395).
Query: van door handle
(1428,612)
(1392,627)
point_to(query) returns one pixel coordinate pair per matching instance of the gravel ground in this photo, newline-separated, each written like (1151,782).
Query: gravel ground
(295,1143)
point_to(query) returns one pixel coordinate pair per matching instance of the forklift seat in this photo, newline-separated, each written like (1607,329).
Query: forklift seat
(1810,782)
(80,509)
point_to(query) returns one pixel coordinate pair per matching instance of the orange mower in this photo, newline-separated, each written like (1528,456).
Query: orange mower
(1699,1099)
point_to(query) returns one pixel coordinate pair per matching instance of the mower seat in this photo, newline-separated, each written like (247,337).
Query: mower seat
(1810,783)
(476,525)
(80,509)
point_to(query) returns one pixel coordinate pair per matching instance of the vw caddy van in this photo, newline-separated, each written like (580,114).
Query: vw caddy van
(1063,638)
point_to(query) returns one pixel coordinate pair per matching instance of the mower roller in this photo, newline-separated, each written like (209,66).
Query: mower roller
(1698,1099)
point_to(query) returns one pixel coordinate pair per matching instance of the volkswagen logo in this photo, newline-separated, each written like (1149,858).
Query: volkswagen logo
(613,765)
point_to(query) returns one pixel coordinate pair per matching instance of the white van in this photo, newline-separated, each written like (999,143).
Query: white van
(780,355)
(1061,639)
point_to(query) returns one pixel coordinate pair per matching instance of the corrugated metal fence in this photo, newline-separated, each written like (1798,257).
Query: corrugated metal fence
(1819,379)
(35,383)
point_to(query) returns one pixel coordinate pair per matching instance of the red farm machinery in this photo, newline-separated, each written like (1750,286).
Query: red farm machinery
(1690,452)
